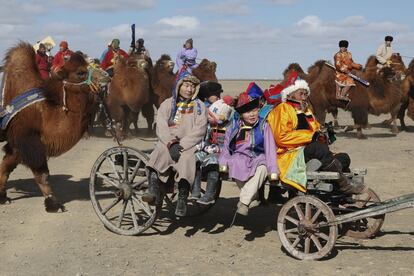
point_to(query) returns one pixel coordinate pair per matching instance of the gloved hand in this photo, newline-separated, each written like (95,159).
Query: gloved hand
(175,151)
(320,137)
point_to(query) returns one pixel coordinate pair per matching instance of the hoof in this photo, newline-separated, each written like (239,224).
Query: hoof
(53,206)
(4,199)
(348,128)
(361,136)
(395,130)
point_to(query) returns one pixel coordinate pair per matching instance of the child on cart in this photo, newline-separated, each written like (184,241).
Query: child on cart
(181,126)
(219,114)
(249,151)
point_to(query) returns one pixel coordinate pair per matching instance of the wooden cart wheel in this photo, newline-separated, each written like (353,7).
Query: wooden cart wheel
(303,228)
(117,182)
(193,208)
(367,227)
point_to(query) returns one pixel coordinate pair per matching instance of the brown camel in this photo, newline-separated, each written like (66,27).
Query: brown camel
(382,96)
(128,92)
(46,128)
(407,87)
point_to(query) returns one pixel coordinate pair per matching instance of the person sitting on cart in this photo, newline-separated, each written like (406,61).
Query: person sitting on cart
(299,139)
(219,114)
(249,151)
(181,126)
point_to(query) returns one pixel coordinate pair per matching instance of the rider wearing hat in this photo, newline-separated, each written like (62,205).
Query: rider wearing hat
(187,56)
(110,56)
(384,52)
(62,56)
(344,65)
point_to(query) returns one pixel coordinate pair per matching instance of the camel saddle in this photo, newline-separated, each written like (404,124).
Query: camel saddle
(19,103)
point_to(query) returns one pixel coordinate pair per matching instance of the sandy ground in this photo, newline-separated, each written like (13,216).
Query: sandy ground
(33,242)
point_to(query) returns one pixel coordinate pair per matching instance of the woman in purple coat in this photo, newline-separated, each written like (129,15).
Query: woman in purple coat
(187,56)
(249,151)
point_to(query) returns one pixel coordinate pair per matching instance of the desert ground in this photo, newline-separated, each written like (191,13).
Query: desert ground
(33,242)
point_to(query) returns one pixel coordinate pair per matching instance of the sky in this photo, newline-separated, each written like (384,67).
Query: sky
(247,39)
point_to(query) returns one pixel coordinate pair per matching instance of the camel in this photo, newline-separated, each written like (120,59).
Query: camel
(128,92)
(407,87)
(382,96)
(46,128)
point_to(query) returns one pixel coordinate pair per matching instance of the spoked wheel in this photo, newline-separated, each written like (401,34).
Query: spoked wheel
(193,208)
(117,182)
(304,230)
(367,227)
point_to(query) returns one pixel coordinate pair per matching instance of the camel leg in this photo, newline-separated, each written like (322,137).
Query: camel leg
(334,113)
(148,113)
(401,115)
(10,162)
(360,135)
(41,176)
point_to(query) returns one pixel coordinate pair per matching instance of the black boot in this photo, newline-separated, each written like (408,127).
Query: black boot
(196,190)
(209,196)
(183,190)
(344,184)
(275,195)
(153,196)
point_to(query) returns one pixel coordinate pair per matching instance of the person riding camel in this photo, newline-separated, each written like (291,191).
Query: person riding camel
(62,56)
(139,48)
(249,151)
(384,53)
(299,139)
(181,126)
(42,61)
(187,56)
(109,59)
(344,65)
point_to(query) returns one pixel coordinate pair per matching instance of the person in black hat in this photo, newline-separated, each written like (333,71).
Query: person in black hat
(384,52)
(210,92)
(344,65)
(140,48)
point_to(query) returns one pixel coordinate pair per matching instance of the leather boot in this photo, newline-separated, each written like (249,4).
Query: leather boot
(344,184)
(196,190)
(183,190)
(153,196)
(209,196)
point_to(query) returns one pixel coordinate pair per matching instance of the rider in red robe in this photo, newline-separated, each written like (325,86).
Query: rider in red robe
(108,61)
(61,56)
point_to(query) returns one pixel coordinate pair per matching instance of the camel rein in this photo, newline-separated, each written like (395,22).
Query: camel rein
(88,82)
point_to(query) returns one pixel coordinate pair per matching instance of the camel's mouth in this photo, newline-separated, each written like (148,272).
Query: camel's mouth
(171,65)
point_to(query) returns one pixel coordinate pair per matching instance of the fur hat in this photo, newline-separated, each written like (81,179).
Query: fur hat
(220,111)
(245,103)
(343,43)
(209,88)
(187,78)
(389,38)
(293,84)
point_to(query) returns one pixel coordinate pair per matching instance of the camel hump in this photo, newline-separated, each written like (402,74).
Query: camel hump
(20,71)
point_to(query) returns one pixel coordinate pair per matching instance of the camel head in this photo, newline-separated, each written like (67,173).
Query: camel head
(78,71)
(397,64)
(206,70)
(165,63)
(138,61)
